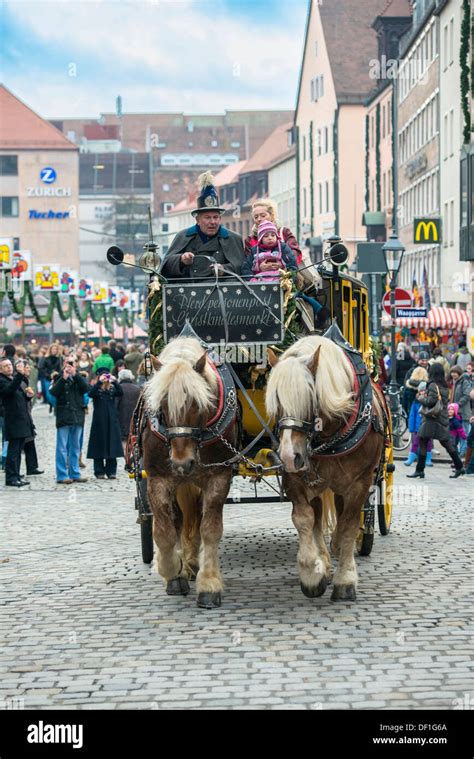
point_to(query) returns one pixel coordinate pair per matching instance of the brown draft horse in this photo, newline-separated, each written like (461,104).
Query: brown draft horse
(189,412)
(312,386)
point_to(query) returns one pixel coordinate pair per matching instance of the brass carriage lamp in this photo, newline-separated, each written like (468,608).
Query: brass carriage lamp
(393,251)
(150,259)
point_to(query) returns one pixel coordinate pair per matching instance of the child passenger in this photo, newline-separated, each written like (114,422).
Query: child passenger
(268,256)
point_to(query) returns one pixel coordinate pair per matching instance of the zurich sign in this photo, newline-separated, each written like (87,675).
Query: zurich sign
(48,175)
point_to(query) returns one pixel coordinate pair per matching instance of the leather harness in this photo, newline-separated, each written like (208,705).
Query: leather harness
(363,417)
(223,419)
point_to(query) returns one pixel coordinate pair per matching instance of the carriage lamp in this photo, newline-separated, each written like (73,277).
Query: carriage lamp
(150,258)
(393,251)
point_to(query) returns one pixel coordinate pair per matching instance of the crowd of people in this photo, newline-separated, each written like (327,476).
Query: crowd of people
(437,394)
(68,380)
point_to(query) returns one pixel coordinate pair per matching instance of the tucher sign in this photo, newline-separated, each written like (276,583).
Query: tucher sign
(427,230)
(249,322)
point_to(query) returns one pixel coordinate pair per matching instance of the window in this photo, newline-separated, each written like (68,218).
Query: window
(8,165)
(167,207)
(383,122)
(304,147)
(316,48)
(305,202)
(446,226)
(9,206)
(235,144)
(214,143)
(318,141)
(451,132)
(326,140)
(327,197)
(165,227)
(451,41)
(320,194)
(445,45)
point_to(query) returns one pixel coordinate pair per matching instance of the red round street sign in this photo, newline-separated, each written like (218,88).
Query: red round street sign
(403,299)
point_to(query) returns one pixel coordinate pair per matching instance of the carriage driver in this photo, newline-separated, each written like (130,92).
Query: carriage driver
(207,237)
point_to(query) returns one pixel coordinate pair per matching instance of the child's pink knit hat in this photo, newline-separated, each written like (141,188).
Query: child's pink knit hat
(455,407)
(264,227)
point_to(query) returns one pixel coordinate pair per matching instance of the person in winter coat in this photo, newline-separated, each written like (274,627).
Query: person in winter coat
(404,363)
(264,209)
(18,425)
(408,394)
(268,256)
(461,395)
(68,389)
(126,404)
(461,357)
(438,356)
(105,443)
(133,359)
(455,425)
(104,361)
(52,363)
(436,428)
(419,379)
(29,447)
(412,386)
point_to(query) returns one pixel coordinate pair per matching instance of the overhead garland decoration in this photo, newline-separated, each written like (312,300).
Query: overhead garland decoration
(95,311)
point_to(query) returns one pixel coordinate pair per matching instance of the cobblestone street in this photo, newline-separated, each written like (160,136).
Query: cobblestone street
(87,625)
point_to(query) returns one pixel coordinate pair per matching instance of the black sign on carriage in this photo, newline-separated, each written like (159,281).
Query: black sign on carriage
(249,322)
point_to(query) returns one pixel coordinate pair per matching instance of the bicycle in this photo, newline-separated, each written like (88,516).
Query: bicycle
(401,436)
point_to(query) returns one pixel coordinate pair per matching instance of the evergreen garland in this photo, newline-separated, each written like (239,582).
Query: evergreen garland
(464,60)
(97,312)
(377,158)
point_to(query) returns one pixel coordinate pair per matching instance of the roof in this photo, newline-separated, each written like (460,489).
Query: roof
(397,9)
(351,43)
(229,175)
(20,127)
(274,150)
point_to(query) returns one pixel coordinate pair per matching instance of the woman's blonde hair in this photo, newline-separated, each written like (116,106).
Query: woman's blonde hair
(270,206)
(419,373)
(58,346)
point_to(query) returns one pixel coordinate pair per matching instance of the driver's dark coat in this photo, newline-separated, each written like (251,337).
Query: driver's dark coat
(226,247)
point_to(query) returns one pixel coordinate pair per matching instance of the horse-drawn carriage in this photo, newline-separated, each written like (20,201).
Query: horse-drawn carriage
(238,330)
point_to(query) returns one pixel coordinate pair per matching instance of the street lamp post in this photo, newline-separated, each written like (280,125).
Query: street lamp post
(393,251)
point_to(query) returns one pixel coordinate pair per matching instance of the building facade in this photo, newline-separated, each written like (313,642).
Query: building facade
(330,119)
(116,191)
(39,178)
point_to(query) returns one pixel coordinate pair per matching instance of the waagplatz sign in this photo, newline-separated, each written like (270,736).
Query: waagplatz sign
(403,299)
(411,313)
(249,322)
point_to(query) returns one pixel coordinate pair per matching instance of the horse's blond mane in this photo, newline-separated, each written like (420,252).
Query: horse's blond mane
(178,381)
(292,387)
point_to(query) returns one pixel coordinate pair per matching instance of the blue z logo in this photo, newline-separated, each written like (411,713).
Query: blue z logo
(48,175)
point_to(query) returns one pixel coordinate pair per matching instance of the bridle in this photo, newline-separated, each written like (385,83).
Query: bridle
(298,425)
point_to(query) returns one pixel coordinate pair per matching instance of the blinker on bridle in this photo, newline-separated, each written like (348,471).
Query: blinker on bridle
(291,423)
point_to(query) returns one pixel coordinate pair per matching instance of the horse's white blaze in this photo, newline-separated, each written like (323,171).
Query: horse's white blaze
(286,451)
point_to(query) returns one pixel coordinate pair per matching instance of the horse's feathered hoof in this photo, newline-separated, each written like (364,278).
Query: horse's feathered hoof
(209,600)
(343,593)
(316,590)
(178,586)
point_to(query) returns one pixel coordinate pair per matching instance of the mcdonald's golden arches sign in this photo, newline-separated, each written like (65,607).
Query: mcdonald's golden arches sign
(427,230)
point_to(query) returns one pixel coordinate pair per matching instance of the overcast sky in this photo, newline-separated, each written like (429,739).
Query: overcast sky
(73,57)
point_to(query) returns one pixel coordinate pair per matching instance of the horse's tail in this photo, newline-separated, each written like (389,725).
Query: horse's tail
(329,512)
(189,500)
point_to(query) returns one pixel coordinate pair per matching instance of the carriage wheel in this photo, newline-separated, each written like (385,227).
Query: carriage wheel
(365,538)
(385,501)
(146,528)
